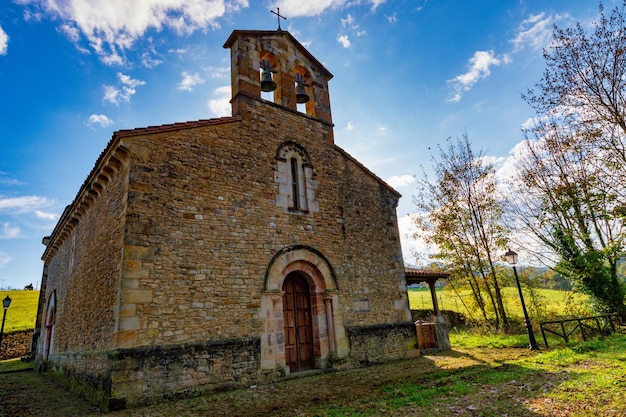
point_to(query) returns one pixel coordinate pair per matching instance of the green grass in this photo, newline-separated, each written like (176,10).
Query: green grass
(470,340)
(22,312)
(555,301)
(572,380)
(14,365)
(490,378)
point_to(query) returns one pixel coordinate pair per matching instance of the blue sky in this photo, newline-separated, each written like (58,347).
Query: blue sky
(407,75)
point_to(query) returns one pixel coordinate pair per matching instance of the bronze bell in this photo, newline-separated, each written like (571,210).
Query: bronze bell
(301,95)
(267,84)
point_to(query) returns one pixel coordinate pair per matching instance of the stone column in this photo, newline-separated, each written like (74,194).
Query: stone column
(328,303)
(433,294)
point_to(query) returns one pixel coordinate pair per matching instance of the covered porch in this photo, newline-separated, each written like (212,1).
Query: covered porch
(433,334)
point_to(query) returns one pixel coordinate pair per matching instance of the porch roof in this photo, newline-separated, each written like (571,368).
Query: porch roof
(417,276)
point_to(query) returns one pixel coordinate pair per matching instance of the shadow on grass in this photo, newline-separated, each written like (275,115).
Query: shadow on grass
(471,385)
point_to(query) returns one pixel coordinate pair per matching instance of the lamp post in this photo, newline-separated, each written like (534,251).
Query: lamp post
(5,303)
(511,258)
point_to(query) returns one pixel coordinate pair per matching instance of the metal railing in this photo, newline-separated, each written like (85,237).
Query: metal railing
(596,326)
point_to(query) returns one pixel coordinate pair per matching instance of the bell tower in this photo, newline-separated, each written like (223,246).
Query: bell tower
(275,61)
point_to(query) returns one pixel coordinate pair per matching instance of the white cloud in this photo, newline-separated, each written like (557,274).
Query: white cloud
(219,72)
(71,33)
(46,216)
(99,119)
(189,81)
(414,251)
(393,18)
(506,167)
(111,94)
(491,159)
(114,94)
(350,126)
(4,42)
(112,26)
(25,204)
(479,68)
(220,104)
(130,82)
(179,51)
(534,32)
(376,3)
(9,232)
(4,259)
(348,21)
(344,41)
(298,8)
(400,180)
(149,58)
(6,180)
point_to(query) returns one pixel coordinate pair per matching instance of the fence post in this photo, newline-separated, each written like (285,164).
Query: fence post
(543,333)
(582,331)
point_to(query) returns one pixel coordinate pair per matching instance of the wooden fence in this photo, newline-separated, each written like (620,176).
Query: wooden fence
(589,327)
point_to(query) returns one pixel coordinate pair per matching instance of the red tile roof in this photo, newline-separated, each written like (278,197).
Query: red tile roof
(176,126)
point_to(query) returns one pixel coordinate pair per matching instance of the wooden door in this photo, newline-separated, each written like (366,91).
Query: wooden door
(298,323)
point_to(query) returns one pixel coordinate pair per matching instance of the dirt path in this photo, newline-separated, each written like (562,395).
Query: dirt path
(30,394)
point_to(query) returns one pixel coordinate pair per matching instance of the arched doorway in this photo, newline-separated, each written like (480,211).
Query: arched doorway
(299,353)
(49,323)
(298,269)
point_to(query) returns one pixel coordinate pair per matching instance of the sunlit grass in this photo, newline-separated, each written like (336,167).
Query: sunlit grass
(22,312)
(555,301)
(13,365)
(582,376)
(470,340)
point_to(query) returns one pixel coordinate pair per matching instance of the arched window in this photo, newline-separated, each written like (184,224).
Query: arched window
(298,200)
(294,175)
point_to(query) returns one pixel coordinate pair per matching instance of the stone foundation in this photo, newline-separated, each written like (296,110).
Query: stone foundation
(145,375)
(382,343)
(15,345)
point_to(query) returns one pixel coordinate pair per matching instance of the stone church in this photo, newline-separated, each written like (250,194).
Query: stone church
(225,252)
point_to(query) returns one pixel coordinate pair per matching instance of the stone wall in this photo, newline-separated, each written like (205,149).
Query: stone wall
(381,343)
(149,374)
(15,344)
(124,378)
(83,262)
(203,225)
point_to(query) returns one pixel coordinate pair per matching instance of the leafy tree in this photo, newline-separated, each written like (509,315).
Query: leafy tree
(572,176)
(460,216)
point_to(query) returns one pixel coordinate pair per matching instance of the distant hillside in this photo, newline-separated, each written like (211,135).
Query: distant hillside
(22,312)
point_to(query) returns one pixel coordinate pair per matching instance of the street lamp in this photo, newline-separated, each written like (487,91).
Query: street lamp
(511,258)
(5,303)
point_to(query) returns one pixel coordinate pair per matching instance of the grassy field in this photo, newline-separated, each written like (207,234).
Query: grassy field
(22,312)
(554,302)
(473,379)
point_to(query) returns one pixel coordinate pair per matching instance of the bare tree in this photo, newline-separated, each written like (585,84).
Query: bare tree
(585,80)
(572,177)
(461,217)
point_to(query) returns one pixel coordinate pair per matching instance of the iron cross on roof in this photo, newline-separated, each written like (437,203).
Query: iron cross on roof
(278,16)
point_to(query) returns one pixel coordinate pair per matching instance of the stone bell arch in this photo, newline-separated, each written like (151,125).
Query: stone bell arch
(328,332)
